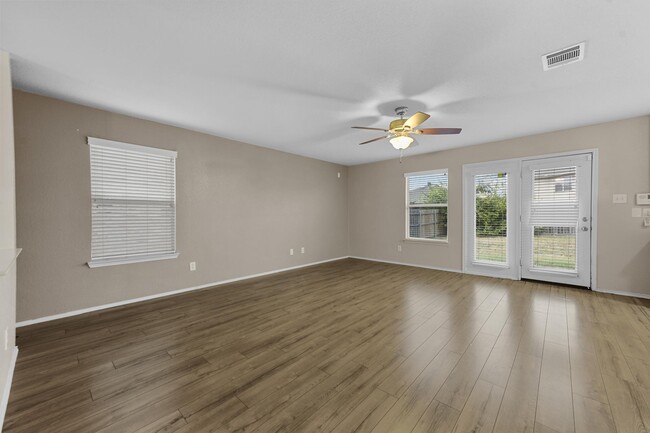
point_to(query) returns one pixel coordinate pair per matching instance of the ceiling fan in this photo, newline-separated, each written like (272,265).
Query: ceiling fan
(400,130)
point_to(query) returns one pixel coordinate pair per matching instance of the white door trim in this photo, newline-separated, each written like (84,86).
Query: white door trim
(594,203)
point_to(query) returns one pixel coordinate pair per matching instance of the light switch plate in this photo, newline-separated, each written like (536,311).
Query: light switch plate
(619,198)
(646,212)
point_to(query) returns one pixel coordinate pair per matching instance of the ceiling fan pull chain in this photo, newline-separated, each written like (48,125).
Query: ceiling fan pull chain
(401,152)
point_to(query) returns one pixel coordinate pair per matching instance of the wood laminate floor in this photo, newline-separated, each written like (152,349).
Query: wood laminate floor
(347,346)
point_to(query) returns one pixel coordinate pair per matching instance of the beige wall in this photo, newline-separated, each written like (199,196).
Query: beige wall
(7,225)
(239,209)
(377,215)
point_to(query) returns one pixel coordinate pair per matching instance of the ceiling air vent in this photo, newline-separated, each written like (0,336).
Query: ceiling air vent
(571,54)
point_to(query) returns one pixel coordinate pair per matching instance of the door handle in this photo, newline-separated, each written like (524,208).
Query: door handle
(585,219)
(584,228)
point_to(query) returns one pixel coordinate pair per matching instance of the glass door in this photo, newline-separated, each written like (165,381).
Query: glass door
(556,220)
(491,192)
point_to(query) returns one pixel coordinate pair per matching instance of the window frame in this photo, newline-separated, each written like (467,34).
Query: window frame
(407,210)
(140,257)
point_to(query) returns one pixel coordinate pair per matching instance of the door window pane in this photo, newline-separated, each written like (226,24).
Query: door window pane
(554,248)
(554,218)
(491,220)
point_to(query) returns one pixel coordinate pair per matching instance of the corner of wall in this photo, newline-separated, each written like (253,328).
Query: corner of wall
(8,351)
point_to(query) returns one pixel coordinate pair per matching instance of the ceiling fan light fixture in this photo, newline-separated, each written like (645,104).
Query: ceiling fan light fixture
(399,131)
(401,142)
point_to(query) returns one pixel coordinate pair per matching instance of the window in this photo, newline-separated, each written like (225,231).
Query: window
(563,185)
(491,218)
(554,211)
(133,194)
(426,210)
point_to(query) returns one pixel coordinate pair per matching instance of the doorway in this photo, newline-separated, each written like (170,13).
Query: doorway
(530,218)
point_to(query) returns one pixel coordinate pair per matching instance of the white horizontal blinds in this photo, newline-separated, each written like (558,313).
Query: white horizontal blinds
(491,218)
(554,212)
(555,199)
(427,205)
(133,190)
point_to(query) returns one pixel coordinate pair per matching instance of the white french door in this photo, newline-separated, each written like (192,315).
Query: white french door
(491,213)
(529,218)
(556,219)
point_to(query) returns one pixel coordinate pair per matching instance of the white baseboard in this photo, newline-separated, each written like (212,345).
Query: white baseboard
(435,268)
(5,392)
(623,293)
(164,294)
(613,292)
(246,277)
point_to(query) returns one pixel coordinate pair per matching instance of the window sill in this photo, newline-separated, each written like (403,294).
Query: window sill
(427,241)
(128,260)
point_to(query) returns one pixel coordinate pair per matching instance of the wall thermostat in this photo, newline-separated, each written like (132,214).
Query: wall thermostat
(643,198)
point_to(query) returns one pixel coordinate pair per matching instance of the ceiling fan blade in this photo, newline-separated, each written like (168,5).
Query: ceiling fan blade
(371,129)
(438,131)
(416,119)
(374,139)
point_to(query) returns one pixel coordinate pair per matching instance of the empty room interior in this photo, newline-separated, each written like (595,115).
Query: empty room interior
(334,216)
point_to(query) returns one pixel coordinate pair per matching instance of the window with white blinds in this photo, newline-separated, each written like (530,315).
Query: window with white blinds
(133,193)
(426,209)
(491,218)
(554,211)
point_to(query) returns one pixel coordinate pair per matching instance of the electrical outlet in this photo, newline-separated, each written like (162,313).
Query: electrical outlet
(619,198)
(302,250)
(291,251)
(643,198)
(192,266)
(399,248)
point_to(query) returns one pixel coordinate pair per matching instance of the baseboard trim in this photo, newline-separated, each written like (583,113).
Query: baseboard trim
(613,292)
(623,293)
(246,277)
(165,294)
(435,268)
(5,392)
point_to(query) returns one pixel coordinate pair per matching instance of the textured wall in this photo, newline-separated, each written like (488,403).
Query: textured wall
(239,208)
(376,199)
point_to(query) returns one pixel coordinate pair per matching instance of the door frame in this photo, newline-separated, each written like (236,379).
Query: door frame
(512,269)
(468,168)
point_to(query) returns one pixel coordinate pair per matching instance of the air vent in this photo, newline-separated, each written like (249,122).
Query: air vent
(571,54)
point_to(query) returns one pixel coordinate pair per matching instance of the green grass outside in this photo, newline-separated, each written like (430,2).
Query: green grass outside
(548,251)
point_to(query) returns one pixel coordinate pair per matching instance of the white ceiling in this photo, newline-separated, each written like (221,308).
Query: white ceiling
(295,75)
